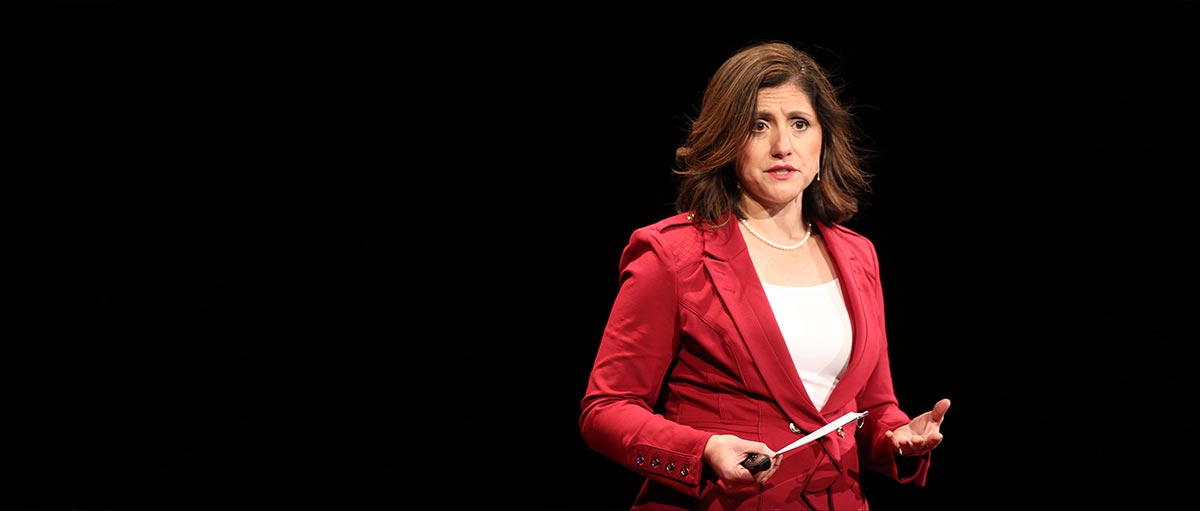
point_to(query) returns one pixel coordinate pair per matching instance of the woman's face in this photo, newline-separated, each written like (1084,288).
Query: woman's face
(783,153)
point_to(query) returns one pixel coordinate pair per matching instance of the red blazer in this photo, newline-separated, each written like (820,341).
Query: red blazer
(691,331)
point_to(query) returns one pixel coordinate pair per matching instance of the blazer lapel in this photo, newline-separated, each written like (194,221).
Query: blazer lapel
(736,281)
(856,288)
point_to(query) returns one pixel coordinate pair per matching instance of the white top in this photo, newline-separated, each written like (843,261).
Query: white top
(816,326)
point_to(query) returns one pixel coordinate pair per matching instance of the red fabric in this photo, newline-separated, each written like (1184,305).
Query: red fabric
(691,320)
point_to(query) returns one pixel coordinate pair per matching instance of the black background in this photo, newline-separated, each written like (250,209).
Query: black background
(274,258)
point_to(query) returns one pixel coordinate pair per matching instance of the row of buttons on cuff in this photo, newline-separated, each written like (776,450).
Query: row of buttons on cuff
(654,463)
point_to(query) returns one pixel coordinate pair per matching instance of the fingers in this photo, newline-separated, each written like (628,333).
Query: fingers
(915,445)
(916,448)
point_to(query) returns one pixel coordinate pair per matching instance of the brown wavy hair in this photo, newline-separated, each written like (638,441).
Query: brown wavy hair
(705,163)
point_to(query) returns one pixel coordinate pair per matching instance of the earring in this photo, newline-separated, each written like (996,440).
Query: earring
(818,175)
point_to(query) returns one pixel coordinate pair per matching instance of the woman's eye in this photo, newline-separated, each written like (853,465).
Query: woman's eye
(800,124)
(758,126)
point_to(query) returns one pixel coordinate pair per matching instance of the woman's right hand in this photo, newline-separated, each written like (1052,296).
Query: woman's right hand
(724,454)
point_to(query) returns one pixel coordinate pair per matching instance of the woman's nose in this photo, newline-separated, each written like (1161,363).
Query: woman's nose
(782,145)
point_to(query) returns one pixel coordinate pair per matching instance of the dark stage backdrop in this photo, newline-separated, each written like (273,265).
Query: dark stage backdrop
(1031,211)
(362,260)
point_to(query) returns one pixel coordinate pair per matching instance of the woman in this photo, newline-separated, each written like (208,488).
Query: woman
(753,316)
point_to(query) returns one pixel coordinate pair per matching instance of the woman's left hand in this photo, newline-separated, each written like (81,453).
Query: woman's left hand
(921,435)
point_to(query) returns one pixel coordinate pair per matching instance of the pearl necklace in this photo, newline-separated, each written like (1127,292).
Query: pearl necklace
(807,234)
